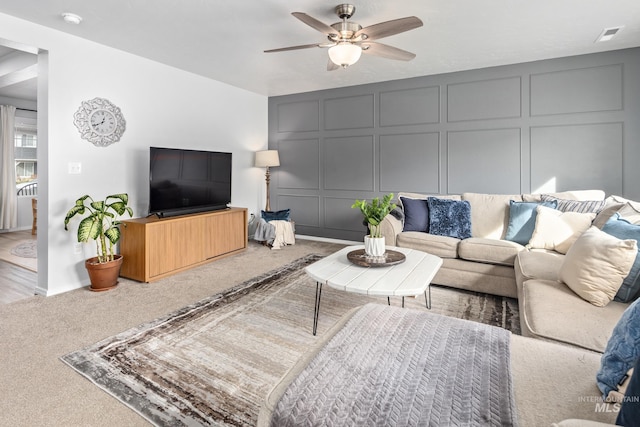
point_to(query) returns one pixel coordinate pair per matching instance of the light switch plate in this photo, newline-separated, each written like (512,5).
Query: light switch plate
(75,168)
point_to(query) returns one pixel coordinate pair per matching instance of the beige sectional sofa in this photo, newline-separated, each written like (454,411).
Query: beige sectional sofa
(554,365)
(488,263)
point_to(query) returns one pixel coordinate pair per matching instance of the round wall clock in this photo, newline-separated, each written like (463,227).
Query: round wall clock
(99,122)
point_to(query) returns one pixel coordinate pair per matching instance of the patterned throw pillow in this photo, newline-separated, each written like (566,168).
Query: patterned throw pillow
(582,206)
(450,218)
(622,350)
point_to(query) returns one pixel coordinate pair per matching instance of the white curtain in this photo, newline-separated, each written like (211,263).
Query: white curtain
(8,197)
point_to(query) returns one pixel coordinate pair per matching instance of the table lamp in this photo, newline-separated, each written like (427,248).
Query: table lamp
(267,159)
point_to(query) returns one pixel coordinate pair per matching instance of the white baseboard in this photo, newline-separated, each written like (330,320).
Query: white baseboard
(13,230)
(327,240)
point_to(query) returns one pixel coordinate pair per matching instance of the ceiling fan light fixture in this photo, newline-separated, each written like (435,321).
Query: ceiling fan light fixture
(345,54)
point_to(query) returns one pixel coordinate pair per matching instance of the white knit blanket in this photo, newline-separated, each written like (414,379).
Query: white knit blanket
(390,366)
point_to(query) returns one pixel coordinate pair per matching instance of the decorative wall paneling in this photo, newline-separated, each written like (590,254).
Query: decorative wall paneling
(552,125)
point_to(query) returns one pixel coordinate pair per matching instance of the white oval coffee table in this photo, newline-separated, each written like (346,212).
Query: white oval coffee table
(409,278)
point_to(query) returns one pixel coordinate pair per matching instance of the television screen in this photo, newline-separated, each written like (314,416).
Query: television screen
(188,181)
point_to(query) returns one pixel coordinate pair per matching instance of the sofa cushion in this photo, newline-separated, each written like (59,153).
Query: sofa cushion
(628,209)
(442,246)
(490,251)
(426,196)
(603,216)
(450,218)
(622,229)
(569,195)
(553,382)
(522,220)
(596,265)
(490,213)
(416,214)
(542,265)
(623,200)
(550,310)
(556,230)
(583,206)
(630,212)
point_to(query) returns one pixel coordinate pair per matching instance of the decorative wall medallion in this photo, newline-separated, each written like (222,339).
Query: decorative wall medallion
(99,122)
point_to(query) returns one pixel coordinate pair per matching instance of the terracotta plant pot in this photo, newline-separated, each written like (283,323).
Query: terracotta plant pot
(103,276)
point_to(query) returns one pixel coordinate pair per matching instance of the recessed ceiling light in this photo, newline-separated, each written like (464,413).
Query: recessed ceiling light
(71,18)
(609,33)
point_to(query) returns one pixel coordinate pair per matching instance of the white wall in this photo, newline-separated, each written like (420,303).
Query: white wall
(163,106)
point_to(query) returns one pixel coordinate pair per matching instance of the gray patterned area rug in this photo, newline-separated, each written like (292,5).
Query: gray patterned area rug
(26,249)
(212,363)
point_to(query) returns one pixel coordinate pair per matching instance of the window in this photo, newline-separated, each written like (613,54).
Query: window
(25,139)
(26,152)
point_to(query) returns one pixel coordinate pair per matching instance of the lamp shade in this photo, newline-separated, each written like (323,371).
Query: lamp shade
(345,54)
(267,158)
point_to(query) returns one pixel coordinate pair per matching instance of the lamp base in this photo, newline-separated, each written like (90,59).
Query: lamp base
(268,180)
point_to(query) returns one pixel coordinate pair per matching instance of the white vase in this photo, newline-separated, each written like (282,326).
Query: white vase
(374,246)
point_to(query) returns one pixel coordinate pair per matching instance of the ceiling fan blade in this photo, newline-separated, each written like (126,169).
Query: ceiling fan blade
(314,23)
(386,51)
(389,28)
(303,46)
(332,66)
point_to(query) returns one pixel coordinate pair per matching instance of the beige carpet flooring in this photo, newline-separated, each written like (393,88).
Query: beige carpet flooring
(37,389)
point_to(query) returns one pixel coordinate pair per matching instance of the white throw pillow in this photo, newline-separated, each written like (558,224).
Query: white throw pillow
(556,230)
(596,264)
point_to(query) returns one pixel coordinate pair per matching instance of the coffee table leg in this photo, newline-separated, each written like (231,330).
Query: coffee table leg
(317,307)
(427,301)
(388,301)
(402,302)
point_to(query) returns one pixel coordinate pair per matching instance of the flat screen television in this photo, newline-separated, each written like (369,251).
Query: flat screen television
(188,181)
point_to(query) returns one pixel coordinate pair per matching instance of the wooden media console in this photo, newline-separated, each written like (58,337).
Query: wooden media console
(154,248)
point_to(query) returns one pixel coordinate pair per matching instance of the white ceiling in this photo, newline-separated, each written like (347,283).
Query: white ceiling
(225,40)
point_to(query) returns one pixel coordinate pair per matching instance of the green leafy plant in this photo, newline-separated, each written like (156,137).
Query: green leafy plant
(100,222)
(375,211)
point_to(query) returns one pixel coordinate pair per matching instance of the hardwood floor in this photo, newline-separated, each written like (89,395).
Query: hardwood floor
(16,282)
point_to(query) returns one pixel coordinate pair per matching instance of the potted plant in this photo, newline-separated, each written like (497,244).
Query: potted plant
(374,212)
(100,223)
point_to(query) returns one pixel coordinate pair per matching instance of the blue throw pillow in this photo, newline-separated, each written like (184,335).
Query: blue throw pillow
(630,409)
(622,351)
(416,214)
(522,220)
(623,229)
(450,218)
(282,215)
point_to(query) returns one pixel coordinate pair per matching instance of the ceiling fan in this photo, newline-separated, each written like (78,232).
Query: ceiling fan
(347,39)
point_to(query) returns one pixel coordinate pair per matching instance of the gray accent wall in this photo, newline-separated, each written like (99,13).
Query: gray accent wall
(554,125)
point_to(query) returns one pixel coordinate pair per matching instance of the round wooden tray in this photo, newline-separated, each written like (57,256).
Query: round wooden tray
(358,257)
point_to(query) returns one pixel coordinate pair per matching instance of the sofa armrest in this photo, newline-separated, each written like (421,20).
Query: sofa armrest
(390,227)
